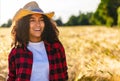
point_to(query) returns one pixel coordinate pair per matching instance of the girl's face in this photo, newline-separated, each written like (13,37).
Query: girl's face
(36,27)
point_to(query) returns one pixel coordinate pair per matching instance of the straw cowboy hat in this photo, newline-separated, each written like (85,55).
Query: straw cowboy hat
(30,8)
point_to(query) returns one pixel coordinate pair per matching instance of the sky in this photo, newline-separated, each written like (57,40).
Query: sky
(63,8)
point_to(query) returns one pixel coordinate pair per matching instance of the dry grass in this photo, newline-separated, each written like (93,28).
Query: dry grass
(93,53)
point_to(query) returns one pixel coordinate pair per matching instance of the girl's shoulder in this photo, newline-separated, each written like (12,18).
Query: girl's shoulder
(57,44)
(14,51)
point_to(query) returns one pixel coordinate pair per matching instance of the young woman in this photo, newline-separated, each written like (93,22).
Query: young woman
(37,53)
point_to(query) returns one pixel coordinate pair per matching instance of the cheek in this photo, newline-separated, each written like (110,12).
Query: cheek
(31,26)
(43,26)
(31,29)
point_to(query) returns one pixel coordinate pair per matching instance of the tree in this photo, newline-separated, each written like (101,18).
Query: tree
(112,9)
(106,13)
(59,22)
(81,19)
(118,22)
(73,20)
(4,25)
(84,19)
(8,24)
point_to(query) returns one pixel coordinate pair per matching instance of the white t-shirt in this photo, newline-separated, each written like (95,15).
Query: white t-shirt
(40,67)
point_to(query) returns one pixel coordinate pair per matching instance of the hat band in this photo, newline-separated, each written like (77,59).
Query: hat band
(37,10)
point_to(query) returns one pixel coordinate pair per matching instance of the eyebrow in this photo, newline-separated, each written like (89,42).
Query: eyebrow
(34,18)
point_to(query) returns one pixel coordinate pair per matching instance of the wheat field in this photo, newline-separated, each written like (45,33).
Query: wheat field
(92,52)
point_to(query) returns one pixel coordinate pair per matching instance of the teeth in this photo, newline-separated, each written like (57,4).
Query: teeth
(37,29)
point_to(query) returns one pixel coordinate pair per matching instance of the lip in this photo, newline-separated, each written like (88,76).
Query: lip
(36,29)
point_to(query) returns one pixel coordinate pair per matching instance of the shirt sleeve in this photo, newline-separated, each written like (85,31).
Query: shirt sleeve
(11,66)
(64,62)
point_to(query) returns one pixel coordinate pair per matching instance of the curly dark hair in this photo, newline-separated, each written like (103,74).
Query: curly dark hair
(20,31)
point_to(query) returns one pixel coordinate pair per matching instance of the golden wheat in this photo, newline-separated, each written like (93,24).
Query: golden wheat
(92,52)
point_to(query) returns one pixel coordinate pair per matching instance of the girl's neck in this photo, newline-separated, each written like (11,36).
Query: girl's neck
(35,40)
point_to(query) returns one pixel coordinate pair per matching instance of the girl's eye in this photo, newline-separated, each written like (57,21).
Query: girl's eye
(41,20)
(32,20)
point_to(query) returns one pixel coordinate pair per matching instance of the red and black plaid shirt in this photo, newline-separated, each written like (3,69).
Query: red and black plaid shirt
(21,59)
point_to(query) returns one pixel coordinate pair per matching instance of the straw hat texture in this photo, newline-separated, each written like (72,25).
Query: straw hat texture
(30,8)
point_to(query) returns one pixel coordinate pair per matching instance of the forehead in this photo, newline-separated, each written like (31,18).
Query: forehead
(36,15)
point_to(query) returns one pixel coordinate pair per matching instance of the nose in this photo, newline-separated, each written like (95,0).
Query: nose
(37,23)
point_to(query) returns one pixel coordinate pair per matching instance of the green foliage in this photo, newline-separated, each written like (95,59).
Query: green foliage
(73,20)
(106,13)
(96,19)
(84,19)
(81,19)
(112,9)
(8,24)
(4,25)
(59,22)
(109,22)
(118,22)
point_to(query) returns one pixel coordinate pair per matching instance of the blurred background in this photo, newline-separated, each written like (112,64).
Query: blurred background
(92,41)
(69,12)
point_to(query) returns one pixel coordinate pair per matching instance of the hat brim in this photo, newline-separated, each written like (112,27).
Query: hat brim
(23,12)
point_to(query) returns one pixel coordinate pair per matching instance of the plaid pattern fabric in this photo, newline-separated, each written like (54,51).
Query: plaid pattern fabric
(21,59)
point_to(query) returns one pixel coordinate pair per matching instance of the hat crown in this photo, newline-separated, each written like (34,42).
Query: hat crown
(32,6)
(29,8)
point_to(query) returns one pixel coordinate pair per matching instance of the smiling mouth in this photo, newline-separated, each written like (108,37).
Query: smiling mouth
(36,29)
